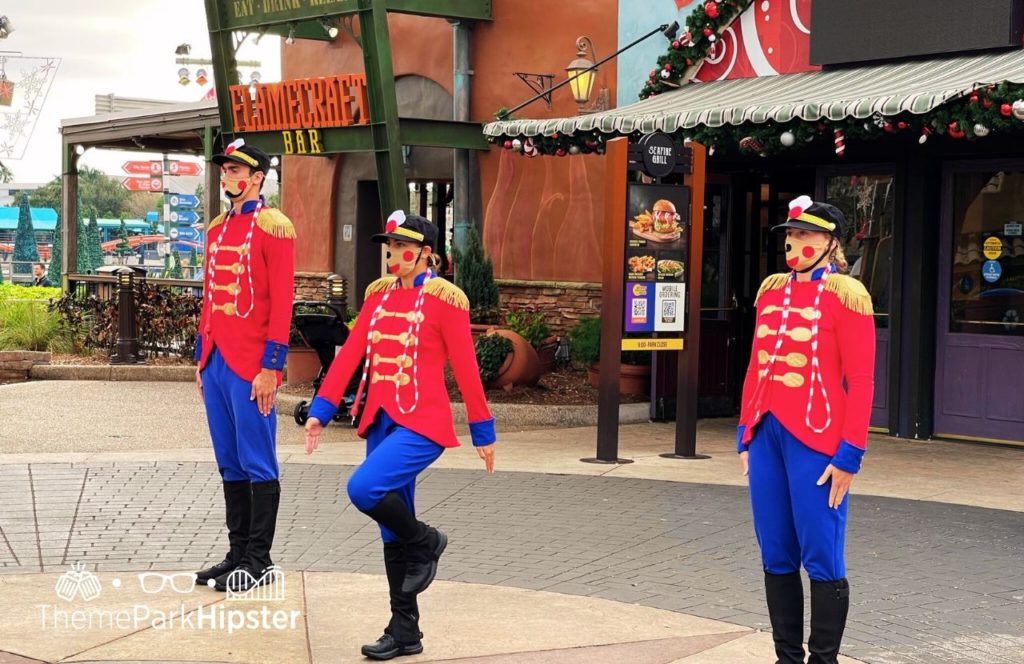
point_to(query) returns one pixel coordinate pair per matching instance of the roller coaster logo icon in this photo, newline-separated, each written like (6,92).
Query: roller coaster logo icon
(270,587)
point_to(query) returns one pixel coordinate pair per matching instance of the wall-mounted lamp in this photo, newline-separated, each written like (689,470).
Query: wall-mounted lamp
(330,27)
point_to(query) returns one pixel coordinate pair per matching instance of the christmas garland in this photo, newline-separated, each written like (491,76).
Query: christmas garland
(688,51)
(994,108)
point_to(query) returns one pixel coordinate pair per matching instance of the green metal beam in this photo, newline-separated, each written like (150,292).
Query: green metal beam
(442,134)
(476,10)
(380,83)
(225,67)
(302,30)
(345,139)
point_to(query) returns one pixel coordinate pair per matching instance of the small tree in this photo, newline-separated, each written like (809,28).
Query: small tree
(82,262)
(122,234)
(25,252)
(95,250)
(56,256)
(474,274)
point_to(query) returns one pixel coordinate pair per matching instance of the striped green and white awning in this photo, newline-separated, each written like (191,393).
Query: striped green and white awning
(916,87)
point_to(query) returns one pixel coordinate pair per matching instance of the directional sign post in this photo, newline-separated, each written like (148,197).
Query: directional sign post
(183,168)
(184,201)
(143,184)
(142,167)
(184,217)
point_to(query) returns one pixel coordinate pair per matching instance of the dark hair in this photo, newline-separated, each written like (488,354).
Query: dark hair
(41,265)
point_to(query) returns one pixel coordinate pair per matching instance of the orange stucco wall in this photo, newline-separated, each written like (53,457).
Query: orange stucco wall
(542,217)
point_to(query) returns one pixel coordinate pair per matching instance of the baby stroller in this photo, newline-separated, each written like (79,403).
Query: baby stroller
(322,327)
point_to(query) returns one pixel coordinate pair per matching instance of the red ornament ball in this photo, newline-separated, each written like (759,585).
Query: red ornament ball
(711,9)
(554,136)
(507,145)
(560,152)
(689,62)
(901,124)
(888,127)
(986,103)
(1006,110)
(974,99)
(676,45)
(708,31)
(668,66)
(653,74)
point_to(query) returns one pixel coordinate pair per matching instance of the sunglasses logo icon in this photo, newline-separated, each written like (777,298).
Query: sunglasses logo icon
(155,582)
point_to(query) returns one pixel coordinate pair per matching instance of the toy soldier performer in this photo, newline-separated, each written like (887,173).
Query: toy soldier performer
(243,340)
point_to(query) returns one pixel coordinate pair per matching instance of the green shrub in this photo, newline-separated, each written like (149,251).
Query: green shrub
(10,292)
(491,351)
(585,340)
(529,325)
(31,326)
(474,274)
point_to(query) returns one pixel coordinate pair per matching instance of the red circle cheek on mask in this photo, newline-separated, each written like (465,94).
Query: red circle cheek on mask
(808,252)
(393,269)
(408,256)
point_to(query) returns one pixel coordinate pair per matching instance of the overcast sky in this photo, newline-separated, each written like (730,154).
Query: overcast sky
(125,47)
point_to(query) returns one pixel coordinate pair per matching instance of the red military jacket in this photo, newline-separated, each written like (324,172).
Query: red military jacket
(845,350)
(248,283)
(418,388)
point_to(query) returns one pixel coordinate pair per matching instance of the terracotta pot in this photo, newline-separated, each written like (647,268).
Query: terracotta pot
(521,367)
(477,329)
(634,379)
(301,366)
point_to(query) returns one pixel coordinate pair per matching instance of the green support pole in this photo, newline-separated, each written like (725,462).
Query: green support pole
(380,83)
(225,67)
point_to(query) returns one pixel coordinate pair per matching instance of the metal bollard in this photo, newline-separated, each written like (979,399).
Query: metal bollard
(336,292)
(127,342)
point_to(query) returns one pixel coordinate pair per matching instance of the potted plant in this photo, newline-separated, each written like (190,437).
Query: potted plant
(474,274)
(519,365)
(585,346)
(530,325)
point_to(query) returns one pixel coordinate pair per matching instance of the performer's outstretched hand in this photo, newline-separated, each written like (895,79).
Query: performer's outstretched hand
(264,389)
(745,460)
(486,453)
(841,481)
(313,431)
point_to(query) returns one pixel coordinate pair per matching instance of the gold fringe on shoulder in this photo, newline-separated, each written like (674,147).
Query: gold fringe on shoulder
(380,285)
(773,282)
(447,292)
(216,222)
(273,222)
(851,293)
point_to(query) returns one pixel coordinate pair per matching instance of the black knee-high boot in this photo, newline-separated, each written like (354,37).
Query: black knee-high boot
(266,497)
(423,544)
(830,604)
(402,635)
(237,509)
(785,594)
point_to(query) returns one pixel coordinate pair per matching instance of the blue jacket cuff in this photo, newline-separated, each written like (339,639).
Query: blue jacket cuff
(323,410)
(274,355)
(199,348)
(482,432)
(740,447)
(848,457)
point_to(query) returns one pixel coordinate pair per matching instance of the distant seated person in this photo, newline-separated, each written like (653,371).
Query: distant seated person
(39,276)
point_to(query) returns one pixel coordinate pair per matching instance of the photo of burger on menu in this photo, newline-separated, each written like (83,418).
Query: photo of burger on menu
(656,244)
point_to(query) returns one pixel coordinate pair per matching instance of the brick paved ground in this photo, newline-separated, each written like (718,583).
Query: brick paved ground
(932,582)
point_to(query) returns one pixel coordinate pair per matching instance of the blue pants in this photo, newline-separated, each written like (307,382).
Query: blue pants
(244,441)
(792,519)
(394,457)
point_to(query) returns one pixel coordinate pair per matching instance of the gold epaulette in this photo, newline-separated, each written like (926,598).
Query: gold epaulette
(216,222)
(379,286)
(851,293)
(447,292)
(273,222)
(773,282)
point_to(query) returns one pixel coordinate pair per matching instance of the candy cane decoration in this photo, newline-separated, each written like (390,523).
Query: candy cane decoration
(840,141)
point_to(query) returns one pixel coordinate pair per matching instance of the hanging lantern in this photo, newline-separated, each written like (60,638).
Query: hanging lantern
(183,76)
(201,77)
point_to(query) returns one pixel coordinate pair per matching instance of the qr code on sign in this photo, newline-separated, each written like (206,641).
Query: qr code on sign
(668,308)
(639,308)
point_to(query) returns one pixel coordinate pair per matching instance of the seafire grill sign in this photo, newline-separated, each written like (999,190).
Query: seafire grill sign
(299,109)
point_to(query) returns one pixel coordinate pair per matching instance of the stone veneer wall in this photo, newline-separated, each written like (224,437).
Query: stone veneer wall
(562,302)
(15,365)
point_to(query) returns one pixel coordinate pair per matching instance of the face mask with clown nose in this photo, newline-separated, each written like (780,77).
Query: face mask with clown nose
(402,259)
(236,187)
(806,253)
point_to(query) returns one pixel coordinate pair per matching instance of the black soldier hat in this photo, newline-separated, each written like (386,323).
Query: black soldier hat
(249,155)
(809,215)
(412,228)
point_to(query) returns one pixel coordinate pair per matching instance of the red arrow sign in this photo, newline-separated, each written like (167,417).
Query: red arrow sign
(184,168)
(143,167)
(143,184)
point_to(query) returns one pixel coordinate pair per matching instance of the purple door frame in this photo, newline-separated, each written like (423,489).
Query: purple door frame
(977,376)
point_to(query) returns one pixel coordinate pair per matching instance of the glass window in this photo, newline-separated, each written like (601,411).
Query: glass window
(867,202)
(988,253)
